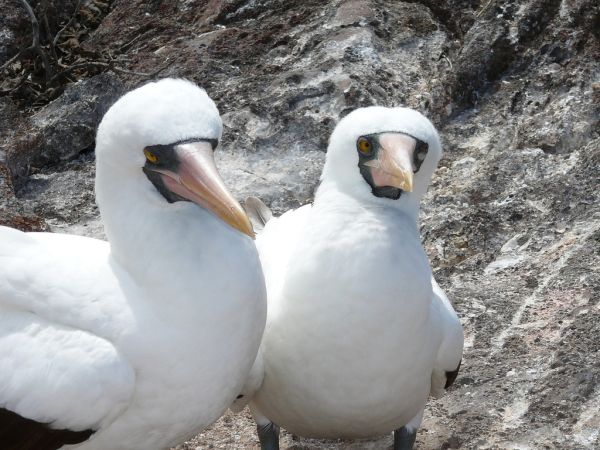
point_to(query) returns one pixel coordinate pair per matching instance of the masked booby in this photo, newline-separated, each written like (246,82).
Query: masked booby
(358,332)
(142,341)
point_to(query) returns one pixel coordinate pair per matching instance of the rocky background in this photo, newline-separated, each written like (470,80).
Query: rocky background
(511,222)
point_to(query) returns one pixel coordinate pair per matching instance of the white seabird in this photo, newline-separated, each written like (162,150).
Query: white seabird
(358,332)
(142,341)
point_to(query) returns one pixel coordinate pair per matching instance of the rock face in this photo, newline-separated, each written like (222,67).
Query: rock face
(35,150)
(511,222)
(61,130)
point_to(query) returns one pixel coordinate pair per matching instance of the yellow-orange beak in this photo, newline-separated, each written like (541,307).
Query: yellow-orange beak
(197,179)
(394,165)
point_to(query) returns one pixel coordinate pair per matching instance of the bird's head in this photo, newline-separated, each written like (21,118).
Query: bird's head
(161,138)
(383,155)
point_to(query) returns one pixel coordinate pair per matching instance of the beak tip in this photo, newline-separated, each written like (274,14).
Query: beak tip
(250,233)
(241,222)
(407,180)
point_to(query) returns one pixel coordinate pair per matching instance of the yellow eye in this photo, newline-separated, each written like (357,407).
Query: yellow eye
(364,146)
(150,156)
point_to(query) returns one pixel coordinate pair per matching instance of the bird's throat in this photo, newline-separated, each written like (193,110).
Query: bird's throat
(390,192)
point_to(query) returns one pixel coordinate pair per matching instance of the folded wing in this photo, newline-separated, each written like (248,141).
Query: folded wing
(59,379)
(450,352)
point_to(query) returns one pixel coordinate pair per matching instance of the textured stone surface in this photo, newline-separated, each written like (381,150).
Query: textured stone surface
(15,25)
(512,219)
(61,130)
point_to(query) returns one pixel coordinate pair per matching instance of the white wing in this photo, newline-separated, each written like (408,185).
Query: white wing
(57,295)
(450,352)
(277,243)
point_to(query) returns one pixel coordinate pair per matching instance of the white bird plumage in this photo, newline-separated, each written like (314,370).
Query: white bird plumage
(145,339)
(358,332)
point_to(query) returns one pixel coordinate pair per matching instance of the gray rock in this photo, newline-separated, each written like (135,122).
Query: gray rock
(68,124)
(14,29)
(61,130)
(15,24)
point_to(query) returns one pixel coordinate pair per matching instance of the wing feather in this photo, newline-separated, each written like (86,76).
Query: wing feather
(59,304)
(59,375)
(258,212)
(19,433)
(450,352)
(277,242)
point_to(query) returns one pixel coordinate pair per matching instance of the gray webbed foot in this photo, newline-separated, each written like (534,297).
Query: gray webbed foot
(404,439)
(268,435)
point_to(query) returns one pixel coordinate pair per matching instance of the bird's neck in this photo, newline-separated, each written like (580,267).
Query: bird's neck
(166,245)
(334,197)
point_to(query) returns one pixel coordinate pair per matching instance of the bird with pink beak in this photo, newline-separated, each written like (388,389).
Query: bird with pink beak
(358,333)
(141,341)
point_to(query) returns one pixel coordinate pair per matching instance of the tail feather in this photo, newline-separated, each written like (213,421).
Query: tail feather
(258,213)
